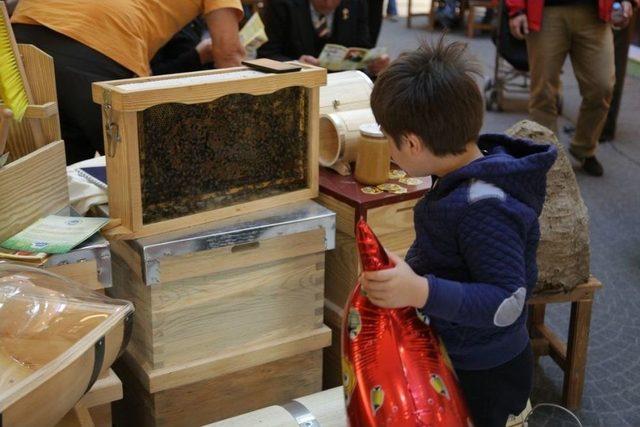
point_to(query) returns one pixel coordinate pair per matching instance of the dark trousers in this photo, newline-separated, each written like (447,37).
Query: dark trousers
(621,42)
(494,394)
(76,67)
(375,20)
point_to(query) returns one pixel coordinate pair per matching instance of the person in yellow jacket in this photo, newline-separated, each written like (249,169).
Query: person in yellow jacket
(93,40)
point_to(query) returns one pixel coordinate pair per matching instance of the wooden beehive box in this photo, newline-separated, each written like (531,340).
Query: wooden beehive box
(191,148)
(268,375)
(224,286)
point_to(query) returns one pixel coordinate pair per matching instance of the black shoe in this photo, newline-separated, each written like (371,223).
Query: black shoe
(606,137)
(590,165)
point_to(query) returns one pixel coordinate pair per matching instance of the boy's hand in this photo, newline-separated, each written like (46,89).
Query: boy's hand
(397,287)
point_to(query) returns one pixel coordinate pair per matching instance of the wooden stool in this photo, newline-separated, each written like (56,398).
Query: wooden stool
(410,14)
(571,356)
(472,25)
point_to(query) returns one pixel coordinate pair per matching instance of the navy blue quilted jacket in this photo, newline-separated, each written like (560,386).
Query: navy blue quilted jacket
(476,237)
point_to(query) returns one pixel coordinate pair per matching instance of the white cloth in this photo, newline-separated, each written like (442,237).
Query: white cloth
(82,193)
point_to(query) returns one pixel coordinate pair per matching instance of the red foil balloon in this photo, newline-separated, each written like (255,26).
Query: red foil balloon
(395,369)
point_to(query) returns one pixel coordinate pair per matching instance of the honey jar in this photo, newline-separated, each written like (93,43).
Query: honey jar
(372,162)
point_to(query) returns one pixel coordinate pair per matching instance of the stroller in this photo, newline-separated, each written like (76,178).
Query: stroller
(511,70)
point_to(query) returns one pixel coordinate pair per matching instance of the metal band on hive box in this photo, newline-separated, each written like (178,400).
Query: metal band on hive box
(191,148)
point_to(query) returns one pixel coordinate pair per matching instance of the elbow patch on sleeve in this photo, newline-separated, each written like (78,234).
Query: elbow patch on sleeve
(510,309)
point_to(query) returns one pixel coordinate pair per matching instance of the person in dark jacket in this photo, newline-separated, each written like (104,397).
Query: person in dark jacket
(186,51)
(299,29)
(473,263)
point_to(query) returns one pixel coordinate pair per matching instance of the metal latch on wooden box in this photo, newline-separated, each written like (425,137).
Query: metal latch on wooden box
(111,129)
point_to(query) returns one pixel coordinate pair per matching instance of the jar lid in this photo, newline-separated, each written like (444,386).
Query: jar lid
(372,130)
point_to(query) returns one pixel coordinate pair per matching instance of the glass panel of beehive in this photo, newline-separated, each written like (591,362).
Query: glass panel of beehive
(236,149)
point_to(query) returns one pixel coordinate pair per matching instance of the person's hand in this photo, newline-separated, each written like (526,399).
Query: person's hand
(308,59)
(519,26)
(226,49)
(396,287)
(378,65)
(204,51)
(627,13)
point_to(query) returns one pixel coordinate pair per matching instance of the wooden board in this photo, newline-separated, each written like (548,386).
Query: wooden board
(101,415)
(235,257)
(41,78)
(348,191)
(125,199)
(345,214)
(585,291)
(32,187)
(392,219)
(84,273)
(212,315)
(107,389)
(207,302)
(225,396)
(342,269)
(309,77)
(155,380)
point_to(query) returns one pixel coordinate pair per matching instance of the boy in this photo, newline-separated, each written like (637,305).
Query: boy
(473,262)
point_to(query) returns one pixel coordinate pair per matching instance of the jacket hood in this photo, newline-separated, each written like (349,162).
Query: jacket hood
(517,166)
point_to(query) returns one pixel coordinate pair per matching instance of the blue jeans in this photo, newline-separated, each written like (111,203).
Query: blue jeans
(392,8)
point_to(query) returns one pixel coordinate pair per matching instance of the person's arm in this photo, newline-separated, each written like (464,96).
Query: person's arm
(226,49)
(492,239)
(184,52)
(277,20)
(518,21)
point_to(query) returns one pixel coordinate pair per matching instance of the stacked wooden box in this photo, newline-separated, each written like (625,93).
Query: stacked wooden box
(391,218)
(210,177)
(89,264)
(229,315)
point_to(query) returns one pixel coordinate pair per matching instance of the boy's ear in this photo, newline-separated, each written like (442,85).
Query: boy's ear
(413,143)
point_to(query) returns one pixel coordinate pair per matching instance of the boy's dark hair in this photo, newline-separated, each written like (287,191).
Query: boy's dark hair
(431,92)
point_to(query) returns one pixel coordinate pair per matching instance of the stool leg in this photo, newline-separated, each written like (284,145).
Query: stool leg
(471,20)
(576,353)
(432,15)
(536,317)
(409,15)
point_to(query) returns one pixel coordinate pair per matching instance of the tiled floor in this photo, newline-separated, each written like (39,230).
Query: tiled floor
(612,390)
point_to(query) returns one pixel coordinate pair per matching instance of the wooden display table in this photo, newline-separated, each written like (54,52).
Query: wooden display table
(571,356)
(391,218)
(96,404)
